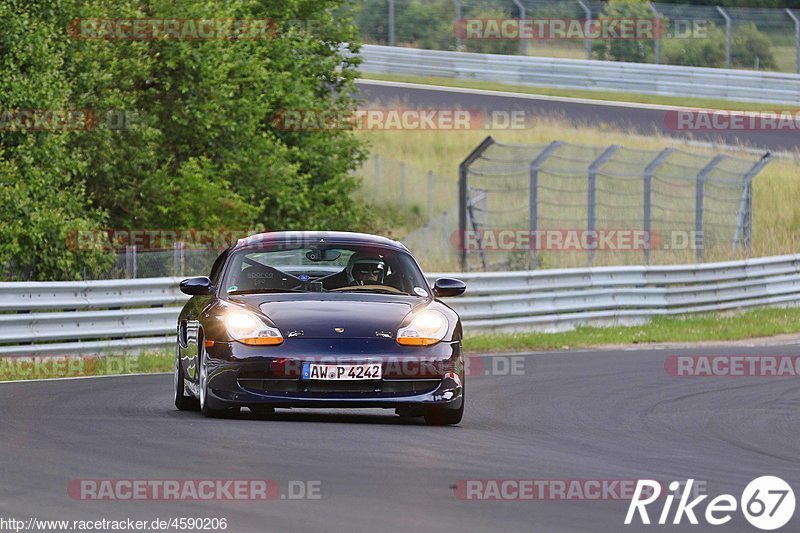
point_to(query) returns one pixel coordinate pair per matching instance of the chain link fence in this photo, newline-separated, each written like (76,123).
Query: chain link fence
(692,35)
(567,205)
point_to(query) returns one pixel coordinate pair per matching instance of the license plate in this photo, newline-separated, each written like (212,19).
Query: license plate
(345,372)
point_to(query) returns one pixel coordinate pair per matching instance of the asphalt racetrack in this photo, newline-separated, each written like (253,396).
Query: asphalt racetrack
(638,118)
(602,415)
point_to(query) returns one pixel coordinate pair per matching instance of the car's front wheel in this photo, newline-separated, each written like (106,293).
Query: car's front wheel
(207,410)
(439,416)
(182,401)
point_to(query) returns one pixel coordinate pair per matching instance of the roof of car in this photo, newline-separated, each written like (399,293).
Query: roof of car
(309,237)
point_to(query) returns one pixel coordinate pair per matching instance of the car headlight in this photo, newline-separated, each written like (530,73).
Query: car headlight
(428,327)
(247,328)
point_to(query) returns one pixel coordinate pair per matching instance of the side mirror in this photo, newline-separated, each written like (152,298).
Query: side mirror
(198,286)
(448,287)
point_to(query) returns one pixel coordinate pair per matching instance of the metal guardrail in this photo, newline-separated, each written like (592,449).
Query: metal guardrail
(120,315)
(667,80)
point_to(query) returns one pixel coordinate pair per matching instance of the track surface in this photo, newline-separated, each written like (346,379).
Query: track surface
(632,117)
(572,415)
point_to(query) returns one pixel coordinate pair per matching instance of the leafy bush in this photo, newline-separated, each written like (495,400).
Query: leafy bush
(632,50)
(747,43)
(696,52)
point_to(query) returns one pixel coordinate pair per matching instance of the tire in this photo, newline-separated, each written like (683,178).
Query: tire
(438,416)
(182,402)
(208,411)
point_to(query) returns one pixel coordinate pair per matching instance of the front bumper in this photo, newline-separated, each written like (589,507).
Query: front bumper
(240,375)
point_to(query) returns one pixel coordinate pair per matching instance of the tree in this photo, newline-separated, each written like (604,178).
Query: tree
(201,151)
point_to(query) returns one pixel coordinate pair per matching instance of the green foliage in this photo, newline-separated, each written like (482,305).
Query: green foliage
(696,52)
(42,201)
(632,50)
(427,24)
(200,151)
(491,46)
(747,43)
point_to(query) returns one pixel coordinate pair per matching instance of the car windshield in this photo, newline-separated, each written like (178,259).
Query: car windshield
(334,268)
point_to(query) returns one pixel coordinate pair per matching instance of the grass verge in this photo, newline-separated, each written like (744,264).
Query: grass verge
(72,366)
(613,96)
(763,322)
(755,323)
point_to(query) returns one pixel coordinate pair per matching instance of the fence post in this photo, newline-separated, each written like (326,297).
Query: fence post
(377,177)
(657,37)
(796,38)
(533,202)
(177,258)
(457,4)
(648,200)
(727,36)
(591,204)
(130,261)
(699,235)
(391,23)
(402,184)
(744,219)
(430,196)
(463,196)
(586,28)
(523,44)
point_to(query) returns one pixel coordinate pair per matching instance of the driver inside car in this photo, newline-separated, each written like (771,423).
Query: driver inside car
(365,270)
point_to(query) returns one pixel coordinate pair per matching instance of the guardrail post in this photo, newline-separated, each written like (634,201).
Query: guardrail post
(391,23)
(657,36)
(699,236)
(727,36)
(744,220)
(796,38)
(523,44)
(463,196)
(591,203)
(586,28)
(648,200)
(533,202)
(457,4)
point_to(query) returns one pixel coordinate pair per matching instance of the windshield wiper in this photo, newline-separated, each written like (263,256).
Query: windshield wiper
(262,291)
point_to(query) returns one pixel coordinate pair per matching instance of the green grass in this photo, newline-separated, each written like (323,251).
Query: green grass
(705,103)
(22,368)
(764,322)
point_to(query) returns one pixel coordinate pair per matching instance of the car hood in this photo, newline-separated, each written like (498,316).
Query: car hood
(321,318)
